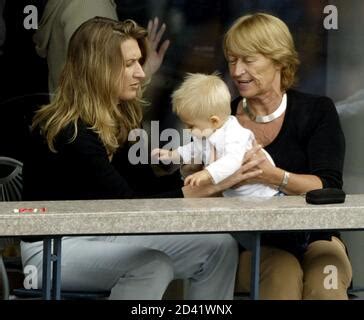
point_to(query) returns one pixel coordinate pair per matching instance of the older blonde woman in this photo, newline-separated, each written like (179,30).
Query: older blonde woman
(78,141)
(303,135)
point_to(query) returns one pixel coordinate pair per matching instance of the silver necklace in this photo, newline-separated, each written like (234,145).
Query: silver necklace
(269,117)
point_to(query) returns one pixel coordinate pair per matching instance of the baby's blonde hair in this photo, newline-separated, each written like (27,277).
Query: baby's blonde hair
(202,96)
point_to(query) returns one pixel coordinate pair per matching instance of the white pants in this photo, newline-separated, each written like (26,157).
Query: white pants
(141,267)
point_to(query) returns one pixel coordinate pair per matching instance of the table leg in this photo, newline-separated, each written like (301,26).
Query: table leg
(51,286)
(46,277)
(56,278)
(255,267)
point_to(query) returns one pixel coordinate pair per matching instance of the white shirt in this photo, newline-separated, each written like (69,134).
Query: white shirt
(222,153)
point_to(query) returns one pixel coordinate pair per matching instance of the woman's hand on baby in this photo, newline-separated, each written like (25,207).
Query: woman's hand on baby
(198,179)
(253,165)
(244,174)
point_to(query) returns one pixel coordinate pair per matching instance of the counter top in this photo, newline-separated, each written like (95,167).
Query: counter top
(140,216)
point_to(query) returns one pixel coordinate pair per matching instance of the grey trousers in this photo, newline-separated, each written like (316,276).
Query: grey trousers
(141,267)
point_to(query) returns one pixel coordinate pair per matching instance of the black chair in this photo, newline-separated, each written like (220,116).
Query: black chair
(11,186)
(11,179)
(15,120)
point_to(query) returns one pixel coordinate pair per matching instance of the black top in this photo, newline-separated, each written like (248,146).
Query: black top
(310,141)
(81,170)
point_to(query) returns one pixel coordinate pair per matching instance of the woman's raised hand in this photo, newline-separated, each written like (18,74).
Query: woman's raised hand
(155,56)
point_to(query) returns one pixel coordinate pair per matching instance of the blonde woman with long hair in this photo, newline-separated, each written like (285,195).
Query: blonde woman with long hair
(77,152)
